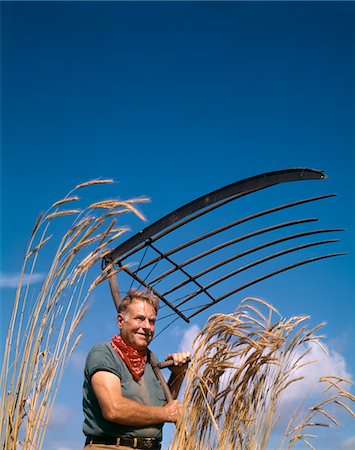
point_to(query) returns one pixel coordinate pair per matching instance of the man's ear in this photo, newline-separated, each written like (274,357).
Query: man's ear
(120,320)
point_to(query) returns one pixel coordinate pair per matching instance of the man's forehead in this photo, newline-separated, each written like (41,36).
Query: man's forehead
(141,306)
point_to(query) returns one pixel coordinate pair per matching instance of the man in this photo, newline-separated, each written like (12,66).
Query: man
(124,404)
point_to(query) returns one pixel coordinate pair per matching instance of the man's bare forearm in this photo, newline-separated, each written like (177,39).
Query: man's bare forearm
(131,413)
(178,371)
(175,382)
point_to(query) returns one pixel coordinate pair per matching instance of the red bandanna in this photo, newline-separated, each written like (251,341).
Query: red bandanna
(134,359)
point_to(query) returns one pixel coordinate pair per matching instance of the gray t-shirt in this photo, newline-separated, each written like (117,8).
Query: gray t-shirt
(147,391)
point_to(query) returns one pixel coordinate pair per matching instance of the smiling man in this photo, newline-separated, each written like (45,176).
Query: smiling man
(124,404)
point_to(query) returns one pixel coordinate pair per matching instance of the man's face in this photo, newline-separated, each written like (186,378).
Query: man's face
(137,324)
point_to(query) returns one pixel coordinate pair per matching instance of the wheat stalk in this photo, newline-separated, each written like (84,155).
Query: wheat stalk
(243,364)
(43,327)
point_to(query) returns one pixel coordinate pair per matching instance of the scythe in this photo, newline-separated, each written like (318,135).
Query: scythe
(152,236)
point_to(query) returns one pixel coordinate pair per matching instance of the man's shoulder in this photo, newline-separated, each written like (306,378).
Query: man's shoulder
(102,357)
(103,350)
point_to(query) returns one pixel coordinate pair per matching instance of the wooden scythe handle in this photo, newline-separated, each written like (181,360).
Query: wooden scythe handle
(114,289)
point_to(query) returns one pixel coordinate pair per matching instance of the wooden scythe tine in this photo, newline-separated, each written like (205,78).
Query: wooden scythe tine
(155,365)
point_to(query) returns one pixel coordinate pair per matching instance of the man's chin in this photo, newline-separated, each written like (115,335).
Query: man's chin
(142,344)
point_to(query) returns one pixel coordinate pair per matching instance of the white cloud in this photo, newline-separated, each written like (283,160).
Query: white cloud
(11,280)
(325,364)
(308,391)
(348,444)
(188,338)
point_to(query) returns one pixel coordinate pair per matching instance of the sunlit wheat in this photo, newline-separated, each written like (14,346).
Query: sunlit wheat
(43,327)
(244,363)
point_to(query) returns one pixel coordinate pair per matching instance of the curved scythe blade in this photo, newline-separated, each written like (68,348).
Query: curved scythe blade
(144,240)
(227,193)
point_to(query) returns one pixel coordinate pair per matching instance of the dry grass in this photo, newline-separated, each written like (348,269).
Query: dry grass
(243,365)
(42,331)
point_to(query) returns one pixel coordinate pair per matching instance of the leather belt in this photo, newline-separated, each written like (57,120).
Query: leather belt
(139,443)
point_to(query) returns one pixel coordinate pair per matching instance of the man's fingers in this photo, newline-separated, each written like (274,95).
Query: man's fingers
(179,358)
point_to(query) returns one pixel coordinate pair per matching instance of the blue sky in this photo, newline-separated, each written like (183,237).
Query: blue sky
(173,100)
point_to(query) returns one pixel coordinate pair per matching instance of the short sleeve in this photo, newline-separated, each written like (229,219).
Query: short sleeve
(100,358)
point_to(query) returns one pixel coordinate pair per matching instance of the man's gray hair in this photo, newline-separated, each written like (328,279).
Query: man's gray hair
(133,295)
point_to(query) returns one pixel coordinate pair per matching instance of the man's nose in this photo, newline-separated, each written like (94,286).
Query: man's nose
(147,324)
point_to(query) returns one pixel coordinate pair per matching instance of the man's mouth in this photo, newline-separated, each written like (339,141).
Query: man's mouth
(146,336)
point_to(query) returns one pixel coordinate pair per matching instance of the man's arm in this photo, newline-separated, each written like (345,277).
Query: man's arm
(121,410)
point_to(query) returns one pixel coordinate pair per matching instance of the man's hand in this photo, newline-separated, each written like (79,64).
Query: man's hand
(180,361)
(173,411)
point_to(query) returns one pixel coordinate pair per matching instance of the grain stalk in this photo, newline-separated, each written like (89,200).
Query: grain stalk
(42,331)
(243,364)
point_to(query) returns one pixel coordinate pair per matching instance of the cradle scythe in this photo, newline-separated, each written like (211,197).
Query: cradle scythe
(149,238)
